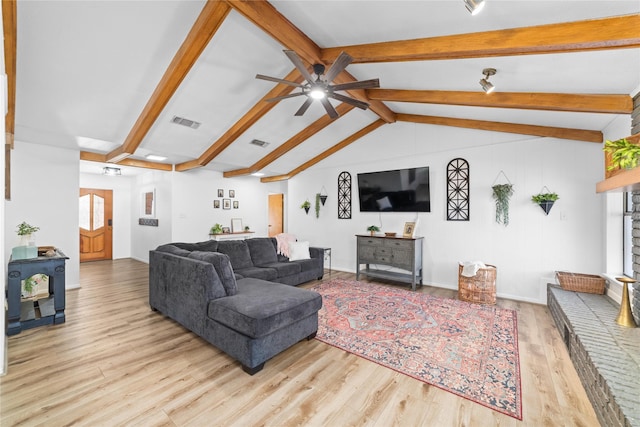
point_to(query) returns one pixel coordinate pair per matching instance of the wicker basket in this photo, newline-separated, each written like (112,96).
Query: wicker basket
(578,282)
(480,288)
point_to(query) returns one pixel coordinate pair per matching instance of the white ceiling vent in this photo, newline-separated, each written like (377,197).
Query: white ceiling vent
(185,122)
(259,143)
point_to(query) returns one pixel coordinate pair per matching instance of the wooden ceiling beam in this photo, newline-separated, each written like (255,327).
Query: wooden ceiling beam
(249,119)
(265,16)
(211,17)
(102,158)
(293,142)
(9,25)
(606,33)
(546,131)
(584,103)
(339,146)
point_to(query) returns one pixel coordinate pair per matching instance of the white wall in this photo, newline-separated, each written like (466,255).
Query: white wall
(122,200)
(526,252)
(44,193)
(185,207)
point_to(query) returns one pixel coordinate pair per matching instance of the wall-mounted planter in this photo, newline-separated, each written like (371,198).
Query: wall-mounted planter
(546,206)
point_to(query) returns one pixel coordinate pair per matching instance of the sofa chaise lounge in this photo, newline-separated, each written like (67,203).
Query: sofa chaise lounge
(239,296)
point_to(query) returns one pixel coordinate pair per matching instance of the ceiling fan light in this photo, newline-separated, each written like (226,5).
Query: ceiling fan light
(317,93)
(474,6)
(487,86)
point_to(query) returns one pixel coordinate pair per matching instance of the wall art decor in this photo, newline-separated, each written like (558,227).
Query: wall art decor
(148,204)
(344,195)
(236,225)
(226,203)
(220,192)
(232,193)
(216,204)
(236,204)
(458,190)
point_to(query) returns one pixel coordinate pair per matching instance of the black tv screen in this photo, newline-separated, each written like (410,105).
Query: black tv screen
(400,190)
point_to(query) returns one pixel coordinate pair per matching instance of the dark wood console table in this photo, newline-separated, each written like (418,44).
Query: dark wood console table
(404,253)
(21,269)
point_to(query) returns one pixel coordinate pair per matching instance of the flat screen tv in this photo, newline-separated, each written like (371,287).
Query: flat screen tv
(400,190)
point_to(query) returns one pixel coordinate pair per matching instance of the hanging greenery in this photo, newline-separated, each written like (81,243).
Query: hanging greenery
(317,205)
(502,193)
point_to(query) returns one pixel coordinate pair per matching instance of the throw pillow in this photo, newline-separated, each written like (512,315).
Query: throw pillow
(299,250)
(222,266)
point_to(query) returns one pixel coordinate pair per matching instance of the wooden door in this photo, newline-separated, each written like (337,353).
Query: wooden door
(96,209)
(276,214)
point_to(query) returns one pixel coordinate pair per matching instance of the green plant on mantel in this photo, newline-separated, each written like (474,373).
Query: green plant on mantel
(25,229)
(502,193)
(216,229)
(624,153)
(544,197)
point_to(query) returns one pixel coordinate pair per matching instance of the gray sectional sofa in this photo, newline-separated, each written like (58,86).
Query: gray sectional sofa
(239,295)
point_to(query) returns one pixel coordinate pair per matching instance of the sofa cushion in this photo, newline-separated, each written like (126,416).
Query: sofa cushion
(262,251)
(263,273)
(173,249)
(207,245)
(238,252)
(260,308)
(285,269)
(222,266)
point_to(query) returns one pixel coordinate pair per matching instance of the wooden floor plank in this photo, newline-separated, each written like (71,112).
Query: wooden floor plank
(116,362)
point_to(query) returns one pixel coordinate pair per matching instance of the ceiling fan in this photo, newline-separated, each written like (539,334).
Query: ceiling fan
(321,88)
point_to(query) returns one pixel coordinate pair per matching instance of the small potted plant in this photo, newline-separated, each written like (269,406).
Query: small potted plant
(306,206)
(246,229)
(25,232)
(373,229)
(216,229)
(624,153)
(502,193)
(545,200)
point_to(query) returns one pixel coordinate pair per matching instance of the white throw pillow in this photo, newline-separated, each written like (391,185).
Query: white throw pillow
(298,250)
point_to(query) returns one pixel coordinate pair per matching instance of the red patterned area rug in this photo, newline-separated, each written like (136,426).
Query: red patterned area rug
(467,349)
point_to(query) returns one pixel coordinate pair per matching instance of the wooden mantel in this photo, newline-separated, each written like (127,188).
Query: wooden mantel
(619,179)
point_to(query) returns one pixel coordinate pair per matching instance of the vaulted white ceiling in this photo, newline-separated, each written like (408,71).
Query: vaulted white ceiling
(86,70)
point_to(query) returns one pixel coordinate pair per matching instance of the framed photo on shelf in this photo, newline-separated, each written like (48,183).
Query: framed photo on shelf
(216,204)
(236,204)
(226,203)
(226,230)
(220,192)
(236,225)
(409,229)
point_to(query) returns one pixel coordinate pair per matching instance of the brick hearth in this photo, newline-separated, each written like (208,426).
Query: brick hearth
(605,355)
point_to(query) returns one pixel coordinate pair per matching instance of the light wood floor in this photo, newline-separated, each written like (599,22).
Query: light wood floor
(115,362)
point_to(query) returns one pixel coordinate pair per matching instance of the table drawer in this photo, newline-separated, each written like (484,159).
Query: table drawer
(400,244)
(370,241)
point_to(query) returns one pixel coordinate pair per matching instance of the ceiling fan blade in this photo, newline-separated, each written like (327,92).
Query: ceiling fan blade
(352,101)
(330,110)
(304,107)
(340,64)
(293,57)
(362,84)
(277,80)
(280,98)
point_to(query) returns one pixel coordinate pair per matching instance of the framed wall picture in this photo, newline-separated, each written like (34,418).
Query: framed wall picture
(220,192)
(409,229)
(226,203)
(232,193)
(148,204)
(216,204)
(236,204)
(236,225)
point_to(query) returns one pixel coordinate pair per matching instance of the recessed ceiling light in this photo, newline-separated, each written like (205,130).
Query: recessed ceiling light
(156,158)
(257,174)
